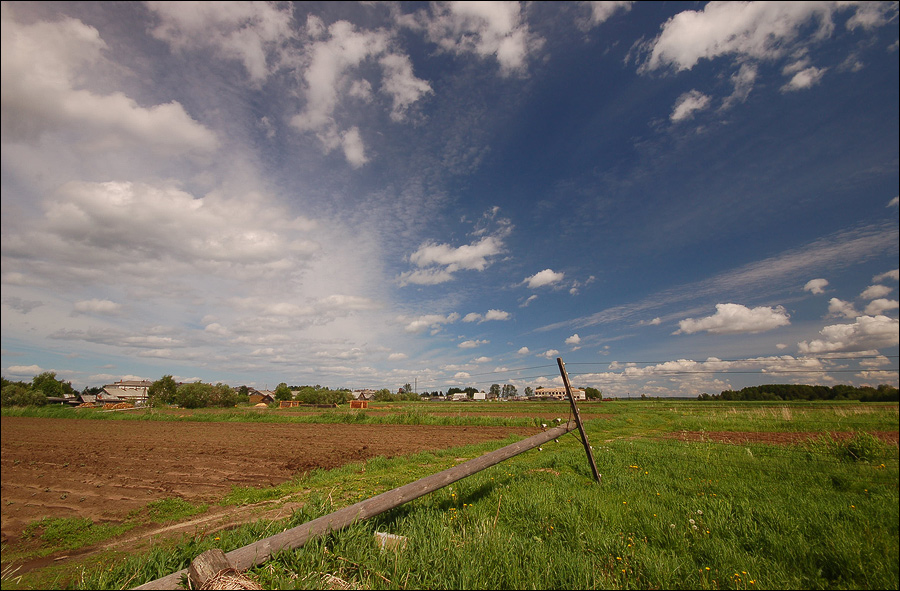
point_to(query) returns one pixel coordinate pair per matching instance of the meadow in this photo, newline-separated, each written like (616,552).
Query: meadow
(675,508)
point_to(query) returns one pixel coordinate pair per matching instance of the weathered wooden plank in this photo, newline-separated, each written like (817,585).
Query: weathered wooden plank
(207,566)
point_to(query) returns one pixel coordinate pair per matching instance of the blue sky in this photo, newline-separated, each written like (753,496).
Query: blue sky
(675,198)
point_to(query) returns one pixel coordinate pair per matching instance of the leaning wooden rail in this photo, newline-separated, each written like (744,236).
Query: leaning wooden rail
(260,551)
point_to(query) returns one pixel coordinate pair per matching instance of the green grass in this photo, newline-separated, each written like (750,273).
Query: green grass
(667,514)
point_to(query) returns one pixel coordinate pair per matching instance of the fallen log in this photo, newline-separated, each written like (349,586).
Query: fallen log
(260,551)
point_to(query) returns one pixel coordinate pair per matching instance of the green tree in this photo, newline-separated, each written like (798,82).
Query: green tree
(509,391)
(19,394)
(282,392)
(223,395)
(529,392)
(48,384)
(193,395)
(592,393)
(494,392)
(162,391)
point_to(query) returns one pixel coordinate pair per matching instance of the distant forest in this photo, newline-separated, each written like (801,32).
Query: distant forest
(786,392)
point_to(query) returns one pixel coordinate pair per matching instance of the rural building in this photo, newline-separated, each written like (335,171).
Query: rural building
(560,393)
(460,396)
(288,403)
(264,397)
(133,391)
(479,396)
(364,394)
(359,404)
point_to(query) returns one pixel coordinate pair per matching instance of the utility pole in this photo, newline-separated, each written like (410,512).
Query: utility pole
(584,439)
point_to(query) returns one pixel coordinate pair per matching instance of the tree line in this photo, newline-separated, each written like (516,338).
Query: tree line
(788,392)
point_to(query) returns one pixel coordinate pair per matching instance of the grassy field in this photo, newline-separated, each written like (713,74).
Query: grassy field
(668,513)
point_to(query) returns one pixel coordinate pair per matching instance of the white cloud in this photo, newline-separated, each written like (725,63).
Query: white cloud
(438,262)
(893,202)
(491,315)
(487,29)
(550,353)
(573,340)
(481,360)
(838,308)
(895,275)
(804,79)
(602,11)
(472,344)
(246,31)
(759,30)
(687,104)
(743,82)
(875,291)
(397,356)
(816,286)
(736,319)
(867,333)
(496,315)
(100,307)
(24,372)
(523,351)
(331,62)
(42,64)
(881,305)
(543,278)
(429,321)
(401,84)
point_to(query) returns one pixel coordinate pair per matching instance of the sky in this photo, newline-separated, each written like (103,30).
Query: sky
(673,198)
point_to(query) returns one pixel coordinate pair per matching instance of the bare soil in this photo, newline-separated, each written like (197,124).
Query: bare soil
(103,470)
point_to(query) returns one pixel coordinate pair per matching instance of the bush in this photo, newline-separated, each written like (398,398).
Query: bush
(16,394)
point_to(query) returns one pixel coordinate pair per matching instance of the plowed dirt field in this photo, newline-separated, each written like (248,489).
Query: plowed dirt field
(103,469)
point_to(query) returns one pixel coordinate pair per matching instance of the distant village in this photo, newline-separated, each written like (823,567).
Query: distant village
(135,393)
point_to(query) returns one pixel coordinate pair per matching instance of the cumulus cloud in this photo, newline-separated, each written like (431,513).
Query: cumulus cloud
(438,262)
(865,334)
(875,291)
(895,275)
(550,353)
(839,308)
(491,315)
(488,29)
(99,307)
(250,32)
(816,286)
(429,322)
(881,305)
(742,81)
(806,78)
(523,351)
(687,104)
(543,278)
(332,59)
(736,319)
(89,229)
(749,33)
(42,65)
(472,344)
(751,30)
(573,340)
(603,10)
